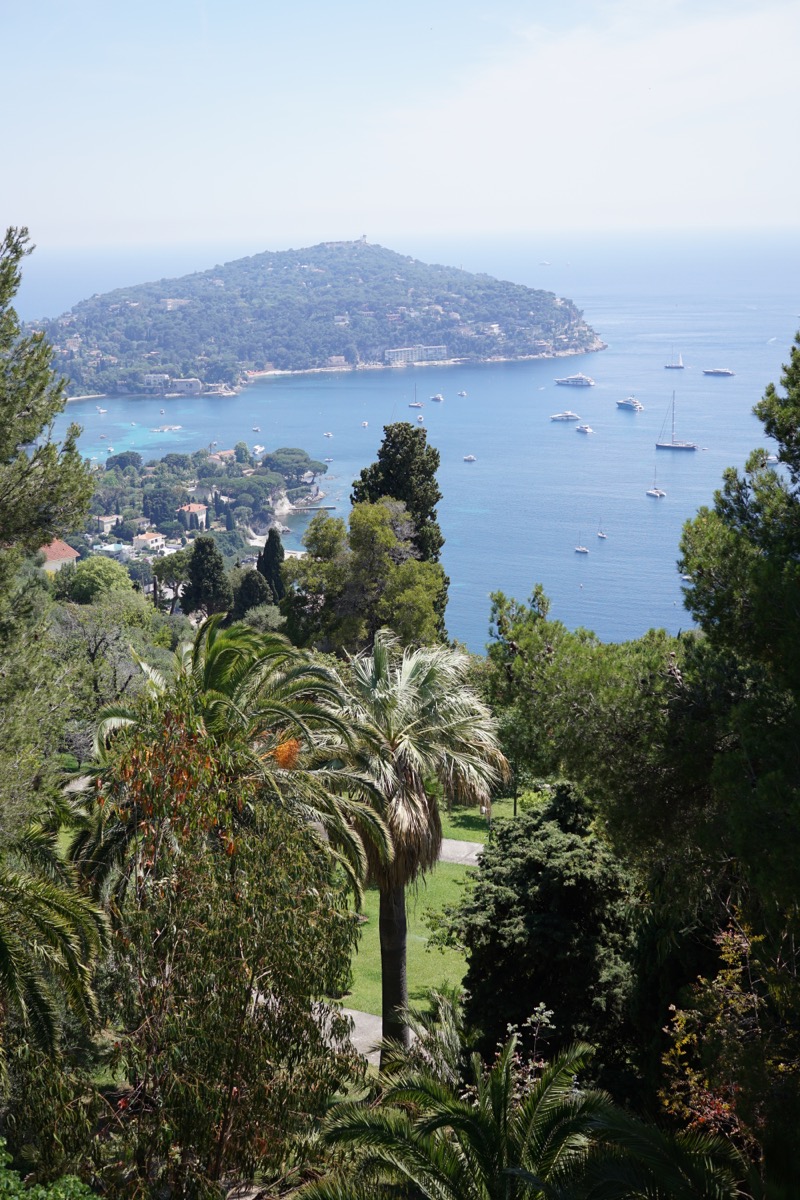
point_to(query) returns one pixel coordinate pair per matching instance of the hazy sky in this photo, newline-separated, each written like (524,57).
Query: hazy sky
(208,121)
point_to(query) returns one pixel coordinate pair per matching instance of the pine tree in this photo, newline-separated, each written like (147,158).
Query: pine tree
(44,488)
(406,470)
(270,561)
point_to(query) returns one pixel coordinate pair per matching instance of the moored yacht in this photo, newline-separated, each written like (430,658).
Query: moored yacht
(566,415)
(719,371)
(632,403)
(674,443)
(576,381)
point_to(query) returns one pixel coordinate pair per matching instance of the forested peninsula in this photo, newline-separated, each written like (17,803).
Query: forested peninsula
(338,305)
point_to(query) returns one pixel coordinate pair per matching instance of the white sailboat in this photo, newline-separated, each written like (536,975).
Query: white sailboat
(673,443)
(674,365)
(580,548)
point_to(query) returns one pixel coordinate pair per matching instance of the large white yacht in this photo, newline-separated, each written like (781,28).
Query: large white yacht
(576,381)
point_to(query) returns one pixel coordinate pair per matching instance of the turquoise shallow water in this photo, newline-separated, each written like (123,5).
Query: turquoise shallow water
(513,517)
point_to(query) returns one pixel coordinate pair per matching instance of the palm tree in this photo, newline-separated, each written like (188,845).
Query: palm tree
(435,1142)
(507,1138)
(419,725)
(49,936)
(266,710)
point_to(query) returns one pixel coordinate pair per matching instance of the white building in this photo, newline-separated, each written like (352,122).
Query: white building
(151,541)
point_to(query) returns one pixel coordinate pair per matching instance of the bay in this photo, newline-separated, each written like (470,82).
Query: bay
(537,488)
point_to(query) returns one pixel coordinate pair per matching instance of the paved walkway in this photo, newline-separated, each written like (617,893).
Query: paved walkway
(460,852)
(366,1026)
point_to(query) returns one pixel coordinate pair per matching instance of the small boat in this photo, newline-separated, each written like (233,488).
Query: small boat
(162,411)
(602,535)
(462,393)
(258,449)
(583,429)
(673,443)
(364,424)
(109,449)
(470,458)
(256,429)
(438,397)
(133,422)
(415,404)
(101,410)
(566,415)
(655,491)
(327,435)
(420,417)
(575,381)
(328,460)
(674,366)
(632,403)
(581,549)
(103,437)
(719,371)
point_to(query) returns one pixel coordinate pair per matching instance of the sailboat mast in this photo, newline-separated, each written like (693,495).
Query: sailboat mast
(673,418)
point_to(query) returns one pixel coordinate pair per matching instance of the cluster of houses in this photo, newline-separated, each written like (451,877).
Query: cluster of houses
(147,543)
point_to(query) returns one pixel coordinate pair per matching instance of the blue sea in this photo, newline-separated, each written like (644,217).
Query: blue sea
(537,489)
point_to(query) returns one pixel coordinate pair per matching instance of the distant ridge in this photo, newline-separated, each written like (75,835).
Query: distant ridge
(337,305)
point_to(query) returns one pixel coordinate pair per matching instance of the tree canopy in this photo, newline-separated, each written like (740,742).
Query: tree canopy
(405,470)
(44,487)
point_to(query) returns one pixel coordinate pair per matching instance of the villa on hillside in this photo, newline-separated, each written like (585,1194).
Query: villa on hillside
(57,555)
(195,510)
(106,523)
(150,540)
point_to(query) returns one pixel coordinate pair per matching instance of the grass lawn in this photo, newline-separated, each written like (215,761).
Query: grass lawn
(426,968)
(467,824)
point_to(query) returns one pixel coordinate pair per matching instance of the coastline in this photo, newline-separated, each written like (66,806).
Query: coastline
(252,376)
(249,377)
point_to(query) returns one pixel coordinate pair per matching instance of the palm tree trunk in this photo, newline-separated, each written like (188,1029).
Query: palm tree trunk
(394,983)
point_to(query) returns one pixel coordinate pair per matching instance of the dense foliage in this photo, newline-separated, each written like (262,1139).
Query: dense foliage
(352,582)
(295,309)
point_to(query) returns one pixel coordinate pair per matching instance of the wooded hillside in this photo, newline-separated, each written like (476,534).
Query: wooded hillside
(298,309)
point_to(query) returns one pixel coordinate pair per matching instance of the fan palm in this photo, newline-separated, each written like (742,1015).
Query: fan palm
(419,725)
(265,709)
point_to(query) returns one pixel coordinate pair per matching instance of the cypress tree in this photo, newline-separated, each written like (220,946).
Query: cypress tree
(270,561)
(209,587)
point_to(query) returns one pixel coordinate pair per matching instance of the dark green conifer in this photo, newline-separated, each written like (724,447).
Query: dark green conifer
(208,587)
(270,561)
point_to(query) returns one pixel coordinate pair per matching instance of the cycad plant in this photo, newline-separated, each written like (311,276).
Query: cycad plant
(430,1141)
(420,729)
(512,1133)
